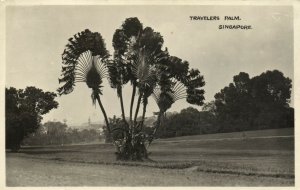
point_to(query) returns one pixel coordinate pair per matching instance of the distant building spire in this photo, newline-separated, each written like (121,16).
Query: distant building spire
(89,122)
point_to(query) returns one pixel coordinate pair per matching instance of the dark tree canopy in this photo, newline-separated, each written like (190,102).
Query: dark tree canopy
(132,27)
(258,102)
(272,87)
(188,121)
(24,110)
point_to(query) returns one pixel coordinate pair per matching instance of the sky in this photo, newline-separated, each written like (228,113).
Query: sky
(36,37)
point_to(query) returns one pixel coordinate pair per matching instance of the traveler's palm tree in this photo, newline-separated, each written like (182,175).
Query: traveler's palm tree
(139,59)
(85,60)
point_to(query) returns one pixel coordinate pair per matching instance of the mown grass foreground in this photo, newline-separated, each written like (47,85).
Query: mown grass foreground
(267,153)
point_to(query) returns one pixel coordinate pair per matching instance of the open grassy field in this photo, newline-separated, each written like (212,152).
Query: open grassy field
(254,158)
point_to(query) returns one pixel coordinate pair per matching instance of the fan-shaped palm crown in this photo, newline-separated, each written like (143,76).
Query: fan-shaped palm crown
(84,60)
(176,82)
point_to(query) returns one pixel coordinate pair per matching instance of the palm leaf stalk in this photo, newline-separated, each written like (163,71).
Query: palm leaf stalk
(143,68)
(117,80)
(132,103)
(124,43)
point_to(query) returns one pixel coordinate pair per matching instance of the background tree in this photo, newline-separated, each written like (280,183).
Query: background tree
(24,110)
(256,103)
(271,93)
(39,137)
(56,132)
(234,103)
(188,121)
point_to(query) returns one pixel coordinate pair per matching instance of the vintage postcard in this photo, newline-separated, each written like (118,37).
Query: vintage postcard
(149,94)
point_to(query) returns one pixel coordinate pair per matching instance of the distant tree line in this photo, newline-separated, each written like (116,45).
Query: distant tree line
(58,133)
(188,121)
(261,102)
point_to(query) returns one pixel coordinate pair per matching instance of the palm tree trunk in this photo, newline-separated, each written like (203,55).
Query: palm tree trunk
(144,113)
(122,108)
(104,113)
(157,125)
(123,112)
(122,104)
(132,101)
(106,121)
(137,108)
(131,108)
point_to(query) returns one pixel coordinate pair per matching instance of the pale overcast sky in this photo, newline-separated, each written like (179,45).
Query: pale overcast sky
(36,37)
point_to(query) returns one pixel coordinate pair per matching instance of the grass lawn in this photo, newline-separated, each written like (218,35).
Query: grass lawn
(266,153)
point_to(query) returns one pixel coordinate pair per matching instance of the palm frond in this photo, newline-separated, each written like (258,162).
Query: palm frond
(167,94)
(194,82)
(178,90)
(156,93)
(84,64)
(143,66)
(95,94)
(78,58)
(117,73)
(101,66)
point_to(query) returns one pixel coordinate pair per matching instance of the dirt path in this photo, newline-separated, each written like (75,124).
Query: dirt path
(36,172)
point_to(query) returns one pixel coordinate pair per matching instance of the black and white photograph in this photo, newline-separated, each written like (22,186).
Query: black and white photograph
(148,94)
